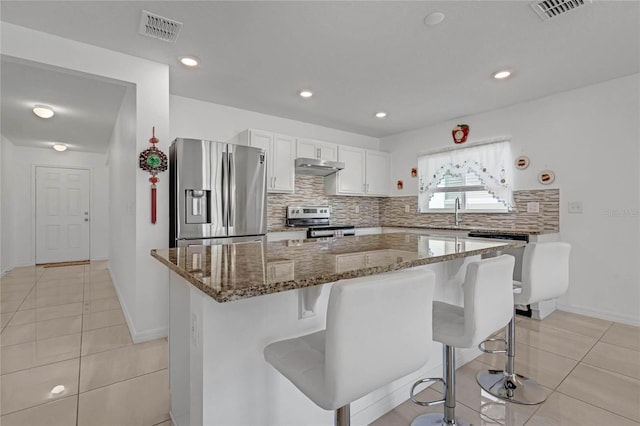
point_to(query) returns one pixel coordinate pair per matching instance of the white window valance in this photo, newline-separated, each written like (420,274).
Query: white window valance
(490,162)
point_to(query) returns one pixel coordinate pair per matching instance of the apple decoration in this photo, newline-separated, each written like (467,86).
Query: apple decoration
(460,133)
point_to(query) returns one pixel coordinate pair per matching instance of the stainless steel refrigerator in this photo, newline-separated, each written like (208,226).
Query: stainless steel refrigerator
(218,191)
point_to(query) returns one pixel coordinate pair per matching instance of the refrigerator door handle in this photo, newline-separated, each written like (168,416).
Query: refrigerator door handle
(225,188)
(232,189)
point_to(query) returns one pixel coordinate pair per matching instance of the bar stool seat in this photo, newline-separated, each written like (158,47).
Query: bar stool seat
(378,330)
(488,304)
(545,276)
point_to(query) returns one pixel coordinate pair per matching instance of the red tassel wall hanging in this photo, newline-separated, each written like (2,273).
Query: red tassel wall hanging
(154,161)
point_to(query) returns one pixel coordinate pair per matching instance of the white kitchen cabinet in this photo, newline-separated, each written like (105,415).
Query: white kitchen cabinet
(280,158)
(311,148)
(351,179)
(377,173)
(281,270)
(349,262)
(365,172)
(370,259)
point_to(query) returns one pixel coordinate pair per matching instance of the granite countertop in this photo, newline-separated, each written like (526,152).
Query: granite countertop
(249,269)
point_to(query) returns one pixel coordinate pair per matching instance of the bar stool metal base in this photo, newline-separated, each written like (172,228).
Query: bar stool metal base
(511,387)
(436,419)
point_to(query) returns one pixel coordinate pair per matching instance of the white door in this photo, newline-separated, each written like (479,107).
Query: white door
(62,215)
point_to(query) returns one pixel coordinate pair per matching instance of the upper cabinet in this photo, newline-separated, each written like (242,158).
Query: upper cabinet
(377,172)
(365,172)
(311,148)
(280,158)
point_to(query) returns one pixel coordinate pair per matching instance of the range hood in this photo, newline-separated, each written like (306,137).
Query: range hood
(313,166)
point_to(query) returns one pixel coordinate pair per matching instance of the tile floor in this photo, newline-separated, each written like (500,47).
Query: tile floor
(67,357)
(589,367)
(64,326)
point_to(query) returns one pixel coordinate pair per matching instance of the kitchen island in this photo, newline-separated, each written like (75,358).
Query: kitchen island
(227,302)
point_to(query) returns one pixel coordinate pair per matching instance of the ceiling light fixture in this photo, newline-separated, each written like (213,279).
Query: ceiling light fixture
(381,114)
(43,111)
(58,389)
(60,147)
(306,94)
(433,19)
(501,75)
(189,61)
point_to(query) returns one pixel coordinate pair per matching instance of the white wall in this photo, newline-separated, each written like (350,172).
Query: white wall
(122,203)
(191,118)
(18,163)
(6,151)
(590,138)
(150,313)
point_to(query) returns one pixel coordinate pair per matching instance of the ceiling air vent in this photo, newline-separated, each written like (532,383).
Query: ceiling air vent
(157,26)
(548,9)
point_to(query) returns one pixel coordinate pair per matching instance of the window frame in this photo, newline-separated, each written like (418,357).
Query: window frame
(505,164)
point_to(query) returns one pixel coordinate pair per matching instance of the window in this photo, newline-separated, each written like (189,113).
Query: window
(480,176)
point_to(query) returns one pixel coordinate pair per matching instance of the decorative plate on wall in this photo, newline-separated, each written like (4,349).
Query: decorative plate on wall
(546,177)
(522,162)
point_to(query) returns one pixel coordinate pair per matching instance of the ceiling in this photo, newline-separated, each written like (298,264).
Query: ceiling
(360,57)
(85,107)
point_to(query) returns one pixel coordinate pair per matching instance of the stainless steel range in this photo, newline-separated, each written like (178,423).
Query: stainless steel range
(317,220)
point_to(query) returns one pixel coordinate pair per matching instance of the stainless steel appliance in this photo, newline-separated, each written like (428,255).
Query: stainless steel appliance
(517,253)
(317,221)
(317,167)
(217,191)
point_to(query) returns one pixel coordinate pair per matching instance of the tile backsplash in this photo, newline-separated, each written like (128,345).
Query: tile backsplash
(390,211)
(310,192)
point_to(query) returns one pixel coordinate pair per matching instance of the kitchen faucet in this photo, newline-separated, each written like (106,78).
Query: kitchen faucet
(456,209)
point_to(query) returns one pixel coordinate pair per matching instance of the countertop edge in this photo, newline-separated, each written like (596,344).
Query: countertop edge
(277,287)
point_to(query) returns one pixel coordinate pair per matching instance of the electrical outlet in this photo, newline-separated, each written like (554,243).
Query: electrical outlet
(407,208)
(575,207)
(195,330)
(533,207)
(357,209)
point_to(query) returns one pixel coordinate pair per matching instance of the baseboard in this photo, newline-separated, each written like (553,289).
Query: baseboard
(605,315)
(136,336)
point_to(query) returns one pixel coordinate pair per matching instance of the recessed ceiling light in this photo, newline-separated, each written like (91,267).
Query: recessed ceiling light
(501,75)
(43,111)
(381,114)
(58,389)
(306,93)
(189,61)
(433,19)
(60,147)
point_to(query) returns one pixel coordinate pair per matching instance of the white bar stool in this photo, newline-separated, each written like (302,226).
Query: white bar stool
(545,275)
(488,306)
(378,330)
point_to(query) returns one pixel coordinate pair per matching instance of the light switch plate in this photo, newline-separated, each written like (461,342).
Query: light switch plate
(407,208)
(357,209)
(533,207)
(575,207)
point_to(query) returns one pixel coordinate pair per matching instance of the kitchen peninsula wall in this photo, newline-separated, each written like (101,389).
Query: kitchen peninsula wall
(383,211)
